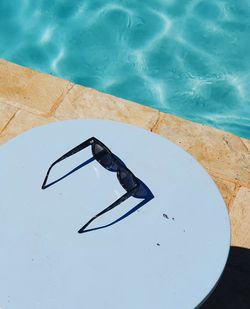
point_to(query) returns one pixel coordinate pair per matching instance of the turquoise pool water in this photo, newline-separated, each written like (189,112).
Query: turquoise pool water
(186,57)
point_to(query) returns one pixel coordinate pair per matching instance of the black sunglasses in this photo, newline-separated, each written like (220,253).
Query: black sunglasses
(108,160)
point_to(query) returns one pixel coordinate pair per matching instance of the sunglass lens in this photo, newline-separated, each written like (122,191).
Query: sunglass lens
(102,155)
(127,179)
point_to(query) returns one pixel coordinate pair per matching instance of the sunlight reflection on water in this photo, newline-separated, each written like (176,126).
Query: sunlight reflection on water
(188,58)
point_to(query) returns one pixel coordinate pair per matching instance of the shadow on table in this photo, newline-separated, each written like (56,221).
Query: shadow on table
(233,289)
(143,193)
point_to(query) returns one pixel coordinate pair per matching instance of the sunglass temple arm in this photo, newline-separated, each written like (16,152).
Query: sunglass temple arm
(66,155)
(116,203)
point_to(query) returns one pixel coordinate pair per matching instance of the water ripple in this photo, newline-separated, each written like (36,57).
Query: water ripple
(47,34)
(188,58)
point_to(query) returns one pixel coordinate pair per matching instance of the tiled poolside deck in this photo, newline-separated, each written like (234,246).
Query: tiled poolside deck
(29,98)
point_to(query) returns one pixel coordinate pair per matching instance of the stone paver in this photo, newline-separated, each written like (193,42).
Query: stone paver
(22,122)
(6,113)
(246,142)
(240,218)
(29,89)
(221,153)
(227,189)
(82,102)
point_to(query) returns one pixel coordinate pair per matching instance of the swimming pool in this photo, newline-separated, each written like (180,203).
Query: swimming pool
(189,58)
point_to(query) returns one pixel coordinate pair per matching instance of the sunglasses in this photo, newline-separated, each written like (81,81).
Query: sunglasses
(109,161)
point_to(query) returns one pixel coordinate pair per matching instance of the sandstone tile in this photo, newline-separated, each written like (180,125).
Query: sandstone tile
(240,219)
(22,122)
(246,143)
(83,102)
(221,153)
(29,89)
(6,113)
(226,188)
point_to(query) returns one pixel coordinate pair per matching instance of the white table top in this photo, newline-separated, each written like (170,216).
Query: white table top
(169,253)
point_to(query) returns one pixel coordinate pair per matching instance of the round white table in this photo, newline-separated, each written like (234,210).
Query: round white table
(165,252)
